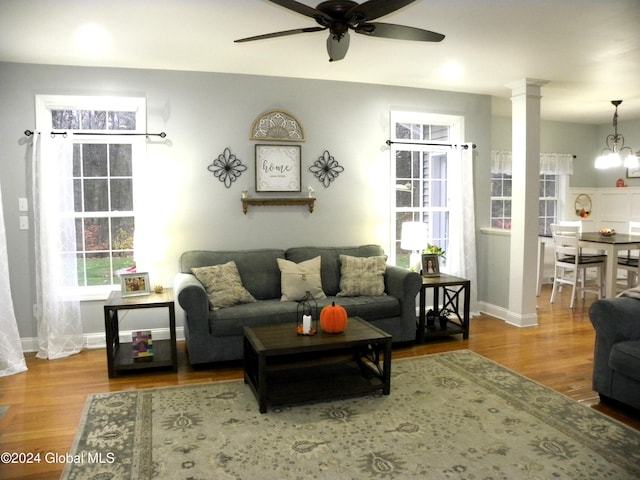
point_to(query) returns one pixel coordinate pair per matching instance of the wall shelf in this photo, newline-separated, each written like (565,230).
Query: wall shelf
(281,201)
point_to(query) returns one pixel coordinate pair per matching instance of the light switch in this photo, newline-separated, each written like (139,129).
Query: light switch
(23,204)
(24,222)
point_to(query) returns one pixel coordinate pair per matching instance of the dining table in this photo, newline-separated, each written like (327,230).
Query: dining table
(610,245)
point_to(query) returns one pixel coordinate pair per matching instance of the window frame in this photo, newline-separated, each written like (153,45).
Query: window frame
(45,104)
(432,148)
(562,185)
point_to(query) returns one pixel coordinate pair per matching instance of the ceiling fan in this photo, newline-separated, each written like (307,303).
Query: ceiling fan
(340,16)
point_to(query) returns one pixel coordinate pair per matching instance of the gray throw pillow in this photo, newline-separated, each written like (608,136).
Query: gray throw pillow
(362,276)
(223,284)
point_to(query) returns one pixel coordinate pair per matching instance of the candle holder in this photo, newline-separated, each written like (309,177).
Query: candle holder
(307,315)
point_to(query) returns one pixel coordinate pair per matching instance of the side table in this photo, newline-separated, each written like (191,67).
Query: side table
(452,289)
(120,355)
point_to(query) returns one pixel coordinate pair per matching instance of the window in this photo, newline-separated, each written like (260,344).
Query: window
(501,201)
(104,165)
(549,193)
(419,172)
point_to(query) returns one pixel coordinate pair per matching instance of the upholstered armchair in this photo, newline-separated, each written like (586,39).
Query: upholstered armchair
(616,359)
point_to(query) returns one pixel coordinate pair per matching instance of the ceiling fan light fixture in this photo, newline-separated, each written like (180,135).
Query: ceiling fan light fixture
(340,16)
(337,46)
(615,154)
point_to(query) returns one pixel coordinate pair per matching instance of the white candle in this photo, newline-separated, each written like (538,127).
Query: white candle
(306,323)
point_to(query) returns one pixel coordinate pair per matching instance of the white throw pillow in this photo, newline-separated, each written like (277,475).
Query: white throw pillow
(299,278)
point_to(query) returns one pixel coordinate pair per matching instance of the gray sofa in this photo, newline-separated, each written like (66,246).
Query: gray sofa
(616,359)
(216,335)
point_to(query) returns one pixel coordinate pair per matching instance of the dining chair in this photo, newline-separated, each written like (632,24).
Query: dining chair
(629,261)
(588,253)
(577,223)
(571,223)
(570,264)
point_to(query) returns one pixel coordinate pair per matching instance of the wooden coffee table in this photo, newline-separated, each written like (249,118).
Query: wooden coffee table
(283,367)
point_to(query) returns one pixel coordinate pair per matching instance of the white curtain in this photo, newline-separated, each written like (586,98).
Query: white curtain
(550,163)
(461,251)
(58,308)
(11,356)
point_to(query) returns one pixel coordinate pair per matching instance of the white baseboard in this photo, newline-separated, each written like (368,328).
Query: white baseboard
(493,310)
(509,317)
(98,340)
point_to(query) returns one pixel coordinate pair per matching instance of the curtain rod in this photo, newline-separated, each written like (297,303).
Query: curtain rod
(28,133)
(465,146)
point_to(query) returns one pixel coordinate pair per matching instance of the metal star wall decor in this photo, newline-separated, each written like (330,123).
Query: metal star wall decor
(227,167)
(326,168)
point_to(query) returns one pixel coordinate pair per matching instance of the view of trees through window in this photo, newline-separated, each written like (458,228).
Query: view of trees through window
(103,193)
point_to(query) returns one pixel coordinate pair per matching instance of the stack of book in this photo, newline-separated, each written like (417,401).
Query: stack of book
(142,345)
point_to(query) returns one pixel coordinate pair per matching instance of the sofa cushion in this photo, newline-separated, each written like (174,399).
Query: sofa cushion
(361,276)
(223,284)
(366,307)
(625,358)
(231,321)
(258,268)
(330,269)
(300,278)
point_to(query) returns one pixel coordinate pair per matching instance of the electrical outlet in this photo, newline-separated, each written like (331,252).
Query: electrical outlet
(24,222)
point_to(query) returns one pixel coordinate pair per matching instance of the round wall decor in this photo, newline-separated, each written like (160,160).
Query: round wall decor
(583,205)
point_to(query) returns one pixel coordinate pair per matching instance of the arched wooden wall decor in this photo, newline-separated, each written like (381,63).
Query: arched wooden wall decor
(277,125)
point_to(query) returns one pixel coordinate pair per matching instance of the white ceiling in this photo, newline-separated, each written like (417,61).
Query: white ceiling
(588,50)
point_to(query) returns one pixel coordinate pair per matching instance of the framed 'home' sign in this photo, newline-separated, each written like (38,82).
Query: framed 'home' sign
(278,168)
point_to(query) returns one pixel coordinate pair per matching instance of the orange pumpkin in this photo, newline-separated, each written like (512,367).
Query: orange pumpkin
(333,318)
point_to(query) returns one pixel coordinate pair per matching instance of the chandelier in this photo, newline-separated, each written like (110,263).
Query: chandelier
(612,155)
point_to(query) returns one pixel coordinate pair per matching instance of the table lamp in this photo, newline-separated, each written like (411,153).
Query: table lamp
(413,237)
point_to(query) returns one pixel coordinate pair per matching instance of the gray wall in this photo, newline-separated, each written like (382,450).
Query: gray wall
(202,114)
(584,141)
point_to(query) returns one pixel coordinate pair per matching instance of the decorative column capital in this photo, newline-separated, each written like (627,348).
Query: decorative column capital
(526,86)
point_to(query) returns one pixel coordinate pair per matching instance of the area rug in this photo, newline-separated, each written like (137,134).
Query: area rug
(453,415)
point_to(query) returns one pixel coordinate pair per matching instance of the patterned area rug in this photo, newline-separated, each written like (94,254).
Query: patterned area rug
(452,415)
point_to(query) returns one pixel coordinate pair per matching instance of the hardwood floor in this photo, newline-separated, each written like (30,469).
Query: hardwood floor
(47,401)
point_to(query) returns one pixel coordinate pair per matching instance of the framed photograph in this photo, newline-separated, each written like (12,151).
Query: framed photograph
(133,284)
(633,172)
(278,168)
(430,265)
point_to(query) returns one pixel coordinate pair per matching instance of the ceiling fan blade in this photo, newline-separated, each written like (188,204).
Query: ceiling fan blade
(301,8)
(400,32)
(280,34)
(377,8)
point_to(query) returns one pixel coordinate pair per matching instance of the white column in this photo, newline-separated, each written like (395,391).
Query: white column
(525,105)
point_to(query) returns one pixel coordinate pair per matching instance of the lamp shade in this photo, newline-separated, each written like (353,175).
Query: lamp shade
(413,236)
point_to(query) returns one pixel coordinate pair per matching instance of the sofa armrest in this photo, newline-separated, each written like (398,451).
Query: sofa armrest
(616,319)
(405,285)
(192,297)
